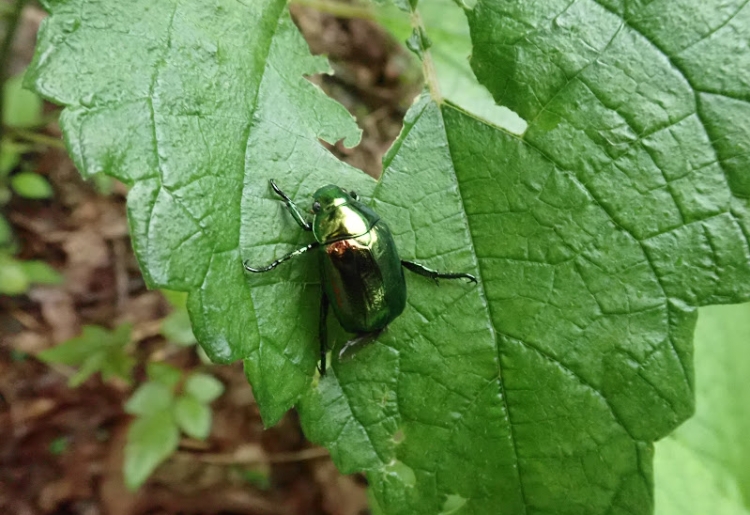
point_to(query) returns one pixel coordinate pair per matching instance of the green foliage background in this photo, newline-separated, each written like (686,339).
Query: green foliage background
(595,235)
(702,467)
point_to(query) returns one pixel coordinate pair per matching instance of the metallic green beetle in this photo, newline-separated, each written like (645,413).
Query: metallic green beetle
(362,275)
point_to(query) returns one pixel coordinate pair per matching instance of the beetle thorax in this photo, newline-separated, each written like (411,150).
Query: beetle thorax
(343,222)
(339,216)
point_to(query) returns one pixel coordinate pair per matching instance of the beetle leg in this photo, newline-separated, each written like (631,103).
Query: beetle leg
(323,332)
(293,209)
(359,340)
(434,274)
(276,263)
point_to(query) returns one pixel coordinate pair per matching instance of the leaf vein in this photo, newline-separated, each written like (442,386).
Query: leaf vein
(488,315)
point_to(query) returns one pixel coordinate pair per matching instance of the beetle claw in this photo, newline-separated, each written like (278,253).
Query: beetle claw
(360,340)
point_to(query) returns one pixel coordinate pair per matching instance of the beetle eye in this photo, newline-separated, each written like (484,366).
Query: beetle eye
(316,207)
(354,195)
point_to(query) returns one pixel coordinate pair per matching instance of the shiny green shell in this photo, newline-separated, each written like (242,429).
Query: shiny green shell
(361,270)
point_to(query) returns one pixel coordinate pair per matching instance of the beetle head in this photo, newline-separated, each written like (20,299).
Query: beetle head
(338,214)
(329,198)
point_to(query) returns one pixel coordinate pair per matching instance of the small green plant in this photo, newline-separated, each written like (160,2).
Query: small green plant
(22,110)
(176,326)
(22,107)
(167,404)
(257,478)
(96,350)
(17,276)
(58,446)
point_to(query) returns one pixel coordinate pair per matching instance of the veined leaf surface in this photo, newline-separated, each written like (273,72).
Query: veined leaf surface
(594,236)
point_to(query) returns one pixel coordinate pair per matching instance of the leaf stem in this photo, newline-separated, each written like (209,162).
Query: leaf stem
(428,65)
(338,9)
(241,458)
(42,139)
(11,25)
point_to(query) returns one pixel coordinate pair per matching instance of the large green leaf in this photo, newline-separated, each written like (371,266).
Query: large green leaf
(196,104)
(647,139)
(594,236)
(702,467)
